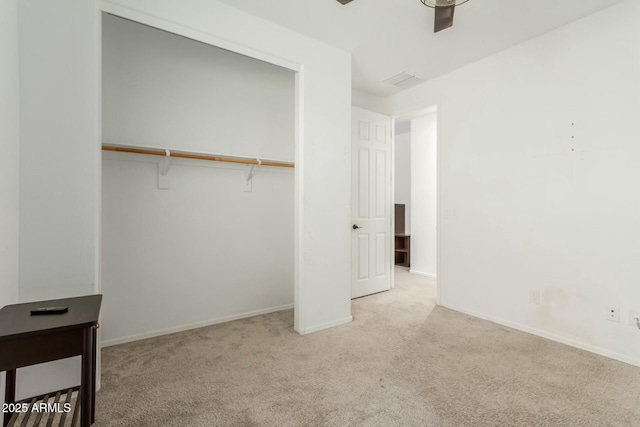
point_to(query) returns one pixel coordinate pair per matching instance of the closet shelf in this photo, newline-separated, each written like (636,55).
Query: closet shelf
(196,156)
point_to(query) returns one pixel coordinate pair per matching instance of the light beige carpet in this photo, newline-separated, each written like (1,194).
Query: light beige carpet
(400,363)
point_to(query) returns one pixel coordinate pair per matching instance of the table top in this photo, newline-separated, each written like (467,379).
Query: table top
(16,320)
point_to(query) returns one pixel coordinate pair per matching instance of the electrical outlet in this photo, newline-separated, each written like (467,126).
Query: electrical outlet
(633,315)
(534,296)
(613,314)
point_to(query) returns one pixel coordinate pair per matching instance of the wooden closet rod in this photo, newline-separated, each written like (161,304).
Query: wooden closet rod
(184,155)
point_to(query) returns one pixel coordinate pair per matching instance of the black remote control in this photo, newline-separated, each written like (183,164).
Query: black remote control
(49,310)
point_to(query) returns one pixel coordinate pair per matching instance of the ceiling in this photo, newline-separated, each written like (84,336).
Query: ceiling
(387,37)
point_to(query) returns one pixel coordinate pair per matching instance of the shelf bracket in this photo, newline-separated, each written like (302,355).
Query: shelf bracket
(248,181)
(163,171)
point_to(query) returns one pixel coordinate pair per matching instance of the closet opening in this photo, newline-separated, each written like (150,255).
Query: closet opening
(198,184)
(416,198)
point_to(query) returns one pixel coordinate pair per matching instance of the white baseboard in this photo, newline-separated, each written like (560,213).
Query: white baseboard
(551,336)
(327,325)
(420,273)
(145,335)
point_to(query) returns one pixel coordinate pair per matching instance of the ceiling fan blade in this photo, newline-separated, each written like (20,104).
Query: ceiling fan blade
(444,17)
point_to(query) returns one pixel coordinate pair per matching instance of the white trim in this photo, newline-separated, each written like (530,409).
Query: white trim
(172,27)
(298,188)
(392,258)
(327,325)
(439,174)
(196,325)
(420,273)
(549,335)
(97,281)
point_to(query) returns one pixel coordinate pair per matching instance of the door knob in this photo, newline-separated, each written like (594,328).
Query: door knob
(355,227)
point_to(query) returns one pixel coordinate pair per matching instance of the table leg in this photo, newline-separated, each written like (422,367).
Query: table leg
(93,377)
(9,393)
(87,376)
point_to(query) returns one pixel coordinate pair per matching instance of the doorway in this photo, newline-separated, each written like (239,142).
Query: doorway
(416,192)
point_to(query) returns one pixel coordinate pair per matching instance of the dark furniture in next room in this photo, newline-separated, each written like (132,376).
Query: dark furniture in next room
(402,240)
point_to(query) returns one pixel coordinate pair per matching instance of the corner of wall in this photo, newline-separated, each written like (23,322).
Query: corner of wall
(369,102)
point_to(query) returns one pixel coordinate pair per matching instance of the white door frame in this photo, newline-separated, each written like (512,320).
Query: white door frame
(430,108)
(392,198)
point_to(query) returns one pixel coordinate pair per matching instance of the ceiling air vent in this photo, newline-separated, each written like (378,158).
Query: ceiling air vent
(403,80)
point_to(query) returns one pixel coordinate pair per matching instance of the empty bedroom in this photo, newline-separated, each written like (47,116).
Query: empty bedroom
(320,213)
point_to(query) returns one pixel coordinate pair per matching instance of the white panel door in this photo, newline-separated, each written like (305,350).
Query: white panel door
(371,203)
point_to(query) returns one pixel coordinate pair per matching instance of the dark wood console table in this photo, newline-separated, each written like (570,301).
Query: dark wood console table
(28,340)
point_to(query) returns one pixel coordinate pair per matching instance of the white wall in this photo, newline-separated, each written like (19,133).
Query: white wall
(9,160)
(204,250)
(59,83)
(402,175)
(9,146)
(59,152)
(369,102)
(163,90)
(424,189)
(60,158)
(323,159)
(539,170)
